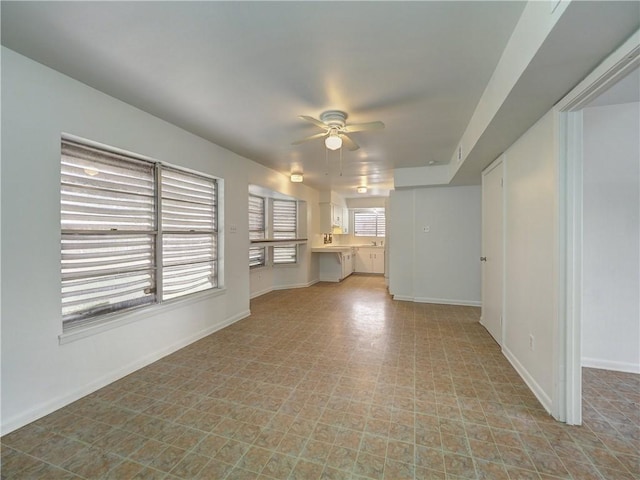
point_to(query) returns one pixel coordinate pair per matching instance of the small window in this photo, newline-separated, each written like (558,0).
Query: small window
(123,244)
(369,222)
(285,219)
(257,228)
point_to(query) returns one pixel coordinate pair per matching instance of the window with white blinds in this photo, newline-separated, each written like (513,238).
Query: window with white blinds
(369,222)
(134,232)
(257,228)
(285,220)
(189,233)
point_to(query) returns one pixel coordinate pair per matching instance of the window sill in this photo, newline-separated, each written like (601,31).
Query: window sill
(285,265)
(275,243)
(119,319)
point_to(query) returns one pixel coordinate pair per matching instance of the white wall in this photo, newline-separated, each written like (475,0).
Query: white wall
(39,374)
(443,265)
(611,239)
(531,259)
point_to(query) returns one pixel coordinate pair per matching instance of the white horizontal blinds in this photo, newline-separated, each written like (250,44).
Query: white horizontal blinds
(108,232)
(189,233)
(369,223)
(285,220)
(257,255)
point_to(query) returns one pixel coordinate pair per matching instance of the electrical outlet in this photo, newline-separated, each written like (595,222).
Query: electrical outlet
(426,229)
(531,343)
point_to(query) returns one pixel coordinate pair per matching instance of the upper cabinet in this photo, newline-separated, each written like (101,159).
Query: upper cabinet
(334,218)
(334,214)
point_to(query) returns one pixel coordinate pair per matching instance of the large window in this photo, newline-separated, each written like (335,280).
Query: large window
(134,232)
(257,230)
(369,222)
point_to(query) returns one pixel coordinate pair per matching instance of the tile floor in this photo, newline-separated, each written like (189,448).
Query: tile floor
(335,381)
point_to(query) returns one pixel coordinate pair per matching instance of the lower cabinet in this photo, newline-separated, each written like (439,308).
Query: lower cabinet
(369,260)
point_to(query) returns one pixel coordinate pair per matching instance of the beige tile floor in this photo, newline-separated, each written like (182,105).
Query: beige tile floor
(334,381)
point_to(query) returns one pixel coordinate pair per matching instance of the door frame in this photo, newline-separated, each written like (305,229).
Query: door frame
(567,404)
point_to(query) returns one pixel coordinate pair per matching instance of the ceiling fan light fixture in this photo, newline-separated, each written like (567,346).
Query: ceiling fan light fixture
(333,141)
(361,189)
(296,177)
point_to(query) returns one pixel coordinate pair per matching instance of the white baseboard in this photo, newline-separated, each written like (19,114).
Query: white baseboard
(439,301)
(260,292)
(297,285)
(283,287)
(537,390)
(610,365)
(403,298)
(17,421)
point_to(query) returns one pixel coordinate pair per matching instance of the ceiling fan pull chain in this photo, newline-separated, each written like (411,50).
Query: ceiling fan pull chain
(326,158)
(340,161)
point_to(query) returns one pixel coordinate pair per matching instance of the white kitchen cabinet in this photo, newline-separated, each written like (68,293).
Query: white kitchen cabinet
(377,261)
(332,218)
(369,260)
(345,220)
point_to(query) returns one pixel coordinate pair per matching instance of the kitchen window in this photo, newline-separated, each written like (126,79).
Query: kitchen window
(369,222)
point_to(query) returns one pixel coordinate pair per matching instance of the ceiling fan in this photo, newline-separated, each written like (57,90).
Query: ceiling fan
(333,122)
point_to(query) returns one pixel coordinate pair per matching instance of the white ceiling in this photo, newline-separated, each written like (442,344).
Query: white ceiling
(240,73)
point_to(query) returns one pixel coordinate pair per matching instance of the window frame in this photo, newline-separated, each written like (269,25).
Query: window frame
(276,241)
(262,255)
(158,266)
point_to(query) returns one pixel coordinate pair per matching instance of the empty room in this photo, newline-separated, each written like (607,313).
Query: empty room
(320,240)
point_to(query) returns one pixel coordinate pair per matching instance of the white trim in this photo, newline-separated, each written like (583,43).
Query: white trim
(260,293)
(439,301)
(282,287)
(296,285)
(567,371)
(611,365)
(17,421)
(615,67)
(542,397)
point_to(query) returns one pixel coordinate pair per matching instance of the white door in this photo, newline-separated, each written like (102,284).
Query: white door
(492,249)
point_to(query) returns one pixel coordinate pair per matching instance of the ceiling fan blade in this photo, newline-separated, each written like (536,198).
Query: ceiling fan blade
(315,121)
(360,127)
(348,143)
(312,137)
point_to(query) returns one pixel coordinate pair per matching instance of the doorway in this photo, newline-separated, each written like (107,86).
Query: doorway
(571,110)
